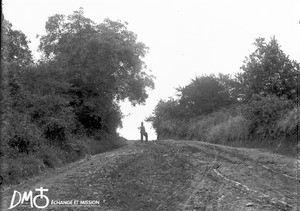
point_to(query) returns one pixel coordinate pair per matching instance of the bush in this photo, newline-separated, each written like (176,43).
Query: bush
(264,112)
(103,142)
(199,127)
(233,129)
(52,114)
(13,170)
(67,104)
(19,134)
(50,156)
(206,94)
(289,123)
(167,118)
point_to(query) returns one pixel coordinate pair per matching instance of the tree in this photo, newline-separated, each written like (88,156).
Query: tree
(268,70)
(165,117)
(206,94)
(14,46)
(18,133)
(105,58)
(102,63)
(232,86)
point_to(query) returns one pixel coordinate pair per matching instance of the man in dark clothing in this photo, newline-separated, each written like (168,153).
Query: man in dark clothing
(143,132)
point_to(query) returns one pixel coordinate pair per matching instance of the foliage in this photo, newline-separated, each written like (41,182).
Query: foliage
(14,46)
(264,112)
(105,59)
(199,127)
(269,71)
(257,102)
(164,116)
(101,62)
(233,129)
(289,123)
(206,94)
(67,104)
(19,135)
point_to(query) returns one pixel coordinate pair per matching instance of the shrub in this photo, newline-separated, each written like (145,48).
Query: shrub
(264,112)
(19,134)
(233,129)
(53,115)
(50,156)
(167,118)
(206,94)
(13,170)
(289,123)
(103,141)
(199,127)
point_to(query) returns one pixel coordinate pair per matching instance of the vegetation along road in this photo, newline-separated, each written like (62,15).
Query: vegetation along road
(170,175)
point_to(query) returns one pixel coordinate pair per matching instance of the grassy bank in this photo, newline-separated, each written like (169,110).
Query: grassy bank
(66,104)
(234,127)
(47,157)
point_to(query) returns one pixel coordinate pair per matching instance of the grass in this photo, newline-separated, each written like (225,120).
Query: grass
(289,123)
(14,169)
(231,127)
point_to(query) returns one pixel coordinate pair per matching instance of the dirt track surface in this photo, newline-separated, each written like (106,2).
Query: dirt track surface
(171,175)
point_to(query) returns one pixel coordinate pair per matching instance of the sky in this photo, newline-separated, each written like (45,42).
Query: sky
(186,38)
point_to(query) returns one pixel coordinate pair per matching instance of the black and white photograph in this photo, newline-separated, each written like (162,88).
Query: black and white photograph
(150,105)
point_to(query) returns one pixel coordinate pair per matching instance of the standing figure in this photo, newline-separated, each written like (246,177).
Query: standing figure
(143,132)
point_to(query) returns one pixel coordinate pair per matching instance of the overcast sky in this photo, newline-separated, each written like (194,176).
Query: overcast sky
(186,37)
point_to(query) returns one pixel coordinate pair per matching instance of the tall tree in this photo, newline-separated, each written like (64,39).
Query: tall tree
(102,62)
(268,70)
(206,94)
(18,133)
(105,57)
(14,46)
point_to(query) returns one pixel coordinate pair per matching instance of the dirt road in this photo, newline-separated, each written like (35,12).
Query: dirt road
(169,175)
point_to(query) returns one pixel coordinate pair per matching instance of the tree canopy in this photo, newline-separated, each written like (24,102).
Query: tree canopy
(268,70)
(103,63)
(14,46)
(266,88)
(206,94)
(105,57)
(87,68)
